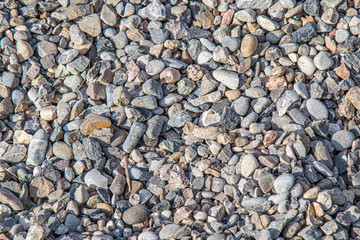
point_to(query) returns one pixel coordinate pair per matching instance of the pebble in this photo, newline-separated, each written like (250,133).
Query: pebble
(37,148)
(317,109)
(342,140)
(154,67)
(306,65)
(322,61)
(228,78)
(94,179)
(135,133)
(284,183)
(249,45)
(135,214)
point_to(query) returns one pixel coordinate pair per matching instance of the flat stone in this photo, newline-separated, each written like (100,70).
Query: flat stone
(40,187)
(94,179)
(317,109)
(284,183)
(228,78)
(135,214)
(342,140)
(92,122)
(8,198)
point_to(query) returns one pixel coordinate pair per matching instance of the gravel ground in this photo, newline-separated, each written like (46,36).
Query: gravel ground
(212,119)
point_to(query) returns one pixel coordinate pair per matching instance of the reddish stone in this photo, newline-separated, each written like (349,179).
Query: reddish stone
(346,110)
(342,71)
(270,138)
(132,70)
(227,17)
(276,82)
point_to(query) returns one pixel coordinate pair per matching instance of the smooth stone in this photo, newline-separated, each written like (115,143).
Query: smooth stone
(249,45)
(37,148)
(228,78)
(136,132)
(322,61)
(306,65)
(284,183)
(94,179)
(342,140)
(135,214)
(168,231)
(317,109)
(154,67)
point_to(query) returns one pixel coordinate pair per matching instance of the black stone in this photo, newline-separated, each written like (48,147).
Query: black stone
(229,118)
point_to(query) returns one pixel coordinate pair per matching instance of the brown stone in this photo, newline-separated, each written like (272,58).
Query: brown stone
(241,141)
(225,138)
(353,96)
(278,71)
(209,133)
(356,4)
(182,213)
(8,198)
(170,75)
(346,109)
(195,72)
(232,94)
(22,137)
(40,187)
(6,107)
(213,172)
(206,19)
(96,91)
(106,208)
(248,45)
(92,122)
(342,71)
(244,65)
(269,161)
(227,17)
(4,91)
(289,74)
(188,128)
(275,82)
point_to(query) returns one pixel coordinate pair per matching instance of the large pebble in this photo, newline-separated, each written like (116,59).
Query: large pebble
(249,45)
(228,78)
(322,61)
(306,65)
(135,214)
(37,148)
(317,109)
(284,183)
(342,140)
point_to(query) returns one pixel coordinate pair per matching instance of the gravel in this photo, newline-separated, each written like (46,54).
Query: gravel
(216,120)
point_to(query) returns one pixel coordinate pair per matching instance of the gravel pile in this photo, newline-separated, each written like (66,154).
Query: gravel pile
(212,119)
